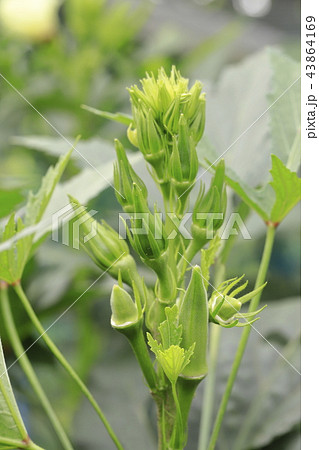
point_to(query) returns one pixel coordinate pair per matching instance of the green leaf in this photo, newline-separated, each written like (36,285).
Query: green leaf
(171,357)
(260,200)
(9,199)
(276,199)
(174,360)
(125,119)
(85,186)
(38,202)
(11,423)
(287,187)
(285,114)
(14,258)
(170,331)
(266,82)
(93,151)
(234,103)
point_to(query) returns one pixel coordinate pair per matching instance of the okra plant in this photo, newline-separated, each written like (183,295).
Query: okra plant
(169,323)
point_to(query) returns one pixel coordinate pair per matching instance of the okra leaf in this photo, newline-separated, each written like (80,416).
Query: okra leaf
(38,202)
(276,199)
(85,185)
(171,332)
(125,119)
(94,151)
(14,258)
(174,360)
(285,112)
(241,135)
(287,187)
(260,200)
(9,199)
(11,423)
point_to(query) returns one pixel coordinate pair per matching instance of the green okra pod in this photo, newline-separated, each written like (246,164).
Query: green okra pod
(193,317)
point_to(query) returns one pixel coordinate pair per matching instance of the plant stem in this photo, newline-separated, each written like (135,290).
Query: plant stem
(209,392)
(15,443)
(32,446)
(56,352)
(138,344)
(186,391)
(190,252)
(28,370)
(262,272)
(177,437)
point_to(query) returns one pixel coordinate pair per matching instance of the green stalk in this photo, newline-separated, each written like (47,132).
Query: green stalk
(190,252)
(178,432)
(262,272)
(56,352)
(186,391)
(209,392)
(138,344)
(15,443)
(29,372)
(32,446)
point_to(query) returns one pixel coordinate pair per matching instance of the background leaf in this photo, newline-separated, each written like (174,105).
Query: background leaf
(233,105)
(11,424)
(287,187)
(265,402)
(285,114)
(125,119)
(9,199)
(238,132)
(259,200)
(38,202)
(86,185)
(93,151)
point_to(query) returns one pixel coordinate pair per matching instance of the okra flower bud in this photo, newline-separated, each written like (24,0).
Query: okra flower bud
(124,311)
(127,318)
(158,94)
(104,246)
(124,177)
(183,164)
(167,97)
(147,234)
(151,141)
(194,110)
(210,207)
(193,317)
(224,307)
(148,238)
